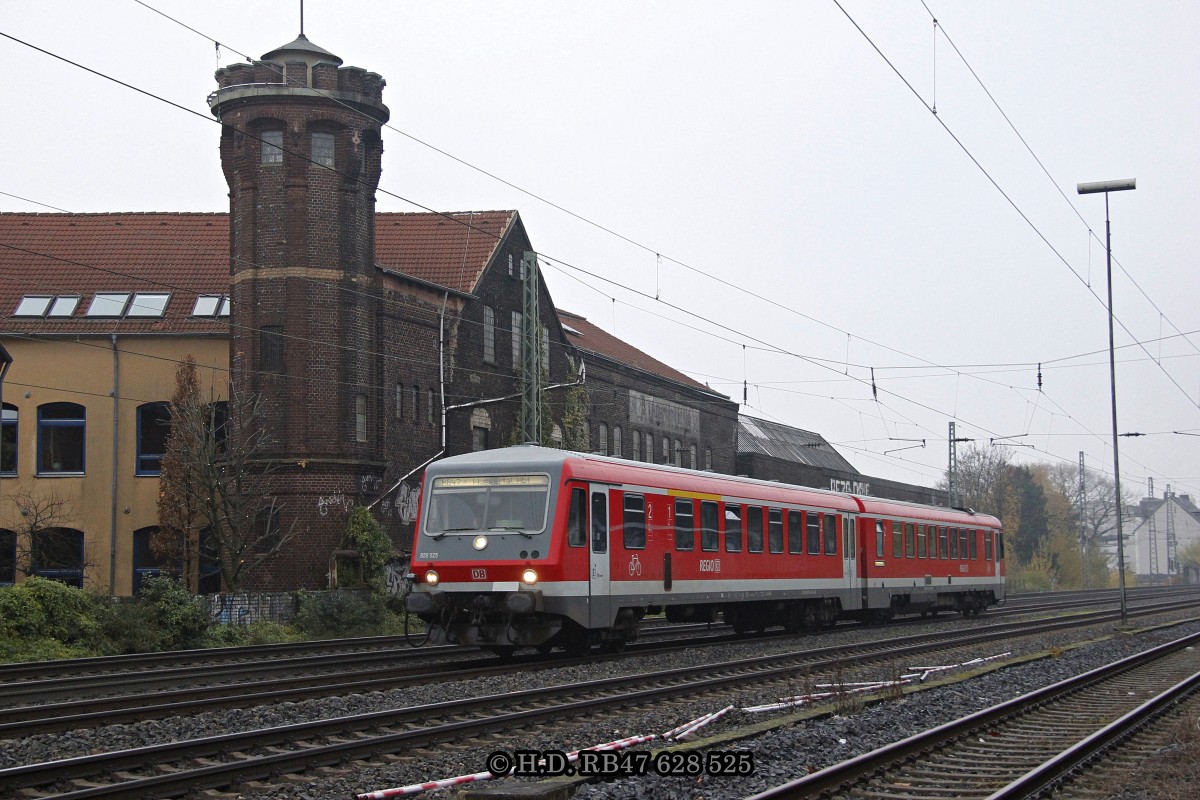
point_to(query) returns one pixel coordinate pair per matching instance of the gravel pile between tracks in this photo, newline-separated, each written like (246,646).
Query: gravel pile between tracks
(778,755)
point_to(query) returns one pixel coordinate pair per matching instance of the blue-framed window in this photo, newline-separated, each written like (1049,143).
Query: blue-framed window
(154,553)
(57,554)
(61,438)
(8,557)
(8,441)
(153,429)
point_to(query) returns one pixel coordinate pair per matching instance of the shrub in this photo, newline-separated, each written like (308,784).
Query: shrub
(165,617)
(345,613)
(20,613)
(254,633)
(365,536)
(71,614)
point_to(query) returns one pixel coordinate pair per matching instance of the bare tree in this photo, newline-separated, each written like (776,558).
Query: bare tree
(179,518)
(223,484)
(45,538)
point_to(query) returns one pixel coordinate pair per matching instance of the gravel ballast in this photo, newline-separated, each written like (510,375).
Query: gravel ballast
(779,755)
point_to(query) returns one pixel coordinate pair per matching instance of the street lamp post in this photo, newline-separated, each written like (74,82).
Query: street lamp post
(1093,188)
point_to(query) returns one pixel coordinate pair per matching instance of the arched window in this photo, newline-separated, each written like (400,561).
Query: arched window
(616,442)
(61,437)
(360,418)
(8,557)
(323,149)
(399,401)
(637,446)
(57,554)
(8,441)
(153,430)
(272,147)
(155,553)
(603,437)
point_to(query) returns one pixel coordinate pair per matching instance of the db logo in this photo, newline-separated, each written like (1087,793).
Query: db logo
(479,574)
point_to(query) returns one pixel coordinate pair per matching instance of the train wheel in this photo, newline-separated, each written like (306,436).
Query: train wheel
(502,650)
(614,646)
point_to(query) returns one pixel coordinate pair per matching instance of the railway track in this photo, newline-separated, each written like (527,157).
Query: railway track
(218,761)
(36,715)
(1016,749)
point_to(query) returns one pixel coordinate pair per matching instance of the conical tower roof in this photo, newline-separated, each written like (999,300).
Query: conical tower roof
(301,49)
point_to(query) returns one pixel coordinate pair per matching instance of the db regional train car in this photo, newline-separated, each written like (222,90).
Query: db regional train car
(533,547)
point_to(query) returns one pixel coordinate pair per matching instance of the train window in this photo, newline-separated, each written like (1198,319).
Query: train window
(897,540)
(922,548)
(634,530)
(973,541)
(733,528)
(943,547)
(933,541)
(987,545)
(999,546)
(685,530)
(831,534)
(910,541)
(813,524)
(795,532)
(599,522)
(962,544)
(774,530)
(849,536)
(879,538)
(754,530)
(577,518)
(954,542)
(709,537)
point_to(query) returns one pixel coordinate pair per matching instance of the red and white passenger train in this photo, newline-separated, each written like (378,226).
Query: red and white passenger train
(534,547)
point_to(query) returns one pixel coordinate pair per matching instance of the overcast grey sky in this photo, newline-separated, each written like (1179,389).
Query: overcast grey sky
(703,148)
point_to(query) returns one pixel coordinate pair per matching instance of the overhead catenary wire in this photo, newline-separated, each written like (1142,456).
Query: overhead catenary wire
(408,200)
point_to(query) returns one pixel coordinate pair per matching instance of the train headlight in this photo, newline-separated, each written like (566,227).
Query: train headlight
(432,578)
(529,576)
(479,542)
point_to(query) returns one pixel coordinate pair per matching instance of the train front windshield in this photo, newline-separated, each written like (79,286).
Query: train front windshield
(470,504)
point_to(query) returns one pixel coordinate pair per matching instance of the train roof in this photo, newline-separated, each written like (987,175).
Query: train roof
(537,457)
(529,456)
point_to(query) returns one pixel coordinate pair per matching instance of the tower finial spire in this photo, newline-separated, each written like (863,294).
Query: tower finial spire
(301,17)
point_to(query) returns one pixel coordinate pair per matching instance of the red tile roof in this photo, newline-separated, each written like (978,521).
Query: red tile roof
(188,255)
(81,254)
(451,250)
(590,339)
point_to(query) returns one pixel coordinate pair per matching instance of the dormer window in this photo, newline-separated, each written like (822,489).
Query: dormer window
(272,147)
(64,306)
(148,304)
(33,306)
(108,304)
(211,305)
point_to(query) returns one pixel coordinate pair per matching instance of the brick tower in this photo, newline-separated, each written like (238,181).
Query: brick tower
(301,150)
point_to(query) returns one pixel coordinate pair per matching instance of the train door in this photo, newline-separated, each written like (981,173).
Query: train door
(852,599)
(599,604)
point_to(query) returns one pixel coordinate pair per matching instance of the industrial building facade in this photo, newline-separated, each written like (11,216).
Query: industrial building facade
(375,343)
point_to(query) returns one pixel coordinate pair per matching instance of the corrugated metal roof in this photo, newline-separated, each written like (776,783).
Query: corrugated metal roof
(772,439)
